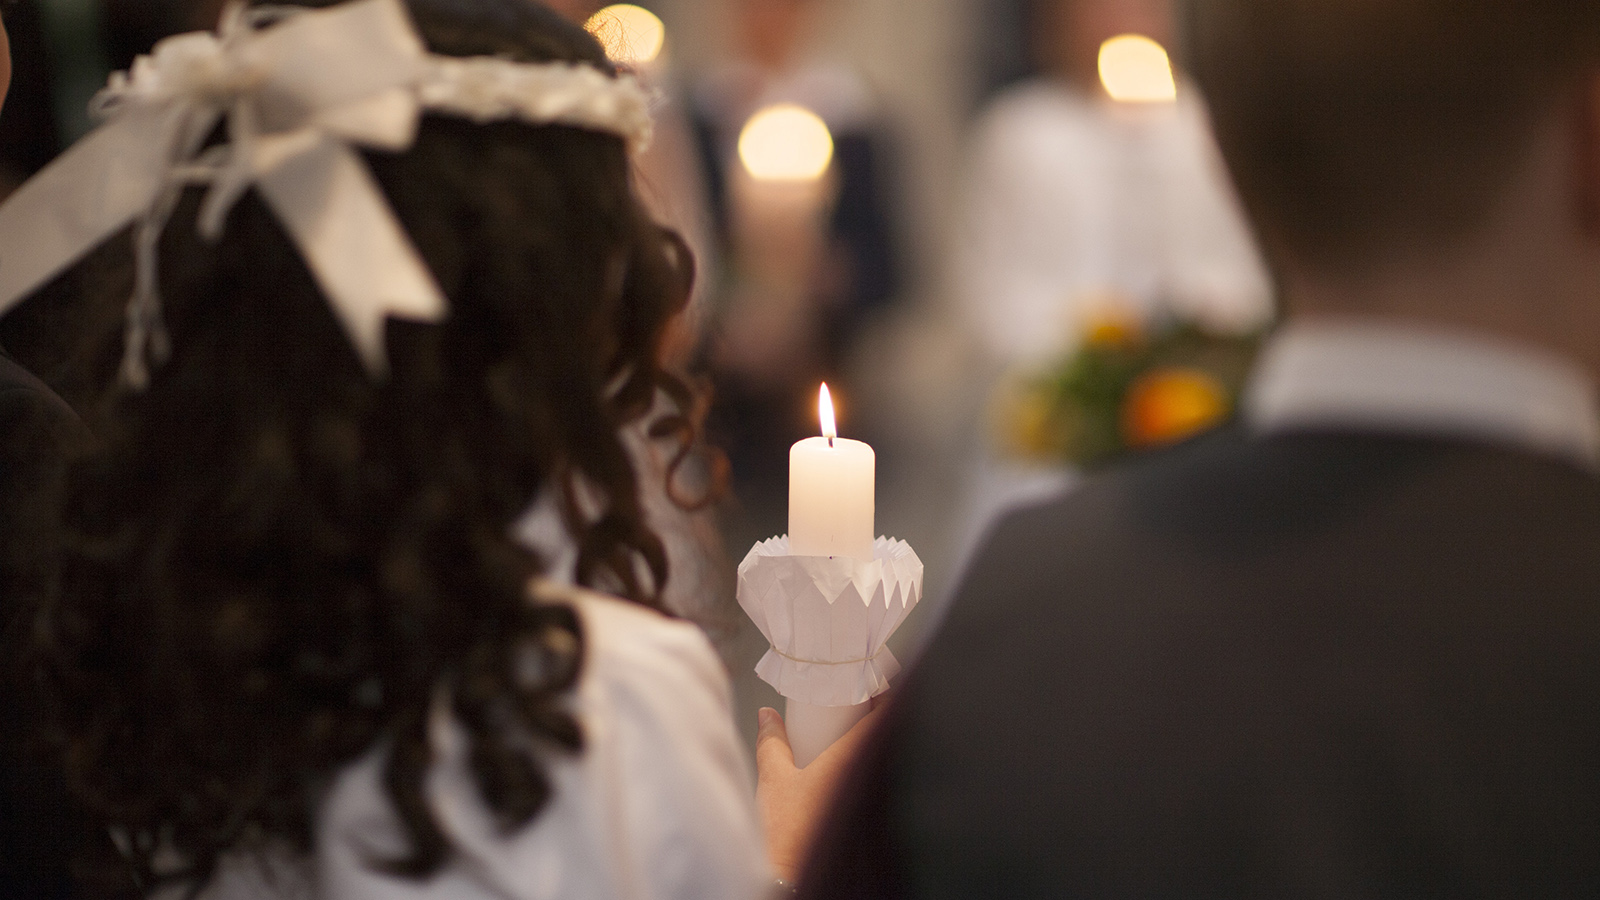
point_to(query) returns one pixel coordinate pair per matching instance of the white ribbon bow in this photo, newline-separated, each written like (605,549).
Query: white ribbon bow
(298,96)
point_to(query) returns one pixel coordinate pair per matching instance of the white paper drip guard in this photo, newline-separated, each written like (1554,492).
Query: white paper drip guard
(827,618)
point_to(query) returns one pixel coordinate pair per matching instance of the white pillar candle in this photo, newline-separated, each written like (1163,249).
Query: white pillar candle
(831,492)
(832,482)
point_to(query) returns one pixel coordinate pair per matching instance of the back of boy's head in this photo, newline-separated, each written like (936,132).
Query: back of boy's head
(1359,129)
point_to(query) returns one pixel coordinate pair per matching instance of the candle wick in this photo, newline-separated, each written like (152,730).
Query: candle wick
(830,441)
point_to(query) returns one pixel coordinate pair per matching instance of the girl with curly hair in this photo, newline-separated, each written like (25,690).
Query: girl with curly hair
(297,650)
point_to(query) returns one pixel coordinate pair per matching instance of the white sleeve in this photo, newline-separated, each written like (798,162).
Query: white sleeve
(689,790)
(659,804)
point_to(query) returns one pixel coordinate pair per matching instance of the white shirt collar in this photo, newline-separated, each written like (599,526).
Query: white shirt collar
(1373,375)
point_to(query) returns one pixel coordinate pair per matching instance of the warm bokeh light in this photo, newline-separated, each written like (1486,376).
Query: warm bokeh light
(830,430)
(632,35)
(1135,69)
(785,143)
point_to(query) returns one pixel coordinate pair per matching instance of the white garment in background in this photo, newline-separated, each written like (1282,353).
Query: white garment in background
(1072,197)
(659,805)
(1078,207)
(731,93)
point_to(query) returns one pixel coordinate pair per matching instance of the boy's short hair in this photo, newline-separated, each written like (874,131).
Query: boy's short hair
(1359,129)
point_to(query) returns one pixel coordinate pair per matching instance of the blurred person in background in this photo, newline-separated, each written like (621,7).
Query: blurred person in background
(1094,200)
(801,270)
(1345,647)
(1083,201)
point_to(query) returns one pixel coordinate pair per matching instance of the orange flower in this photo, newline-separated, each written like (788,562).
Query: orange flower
(1166,405)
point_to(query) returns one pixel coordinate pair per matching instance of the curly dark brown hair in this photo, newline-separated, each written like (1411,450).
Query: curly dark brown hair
(274,562)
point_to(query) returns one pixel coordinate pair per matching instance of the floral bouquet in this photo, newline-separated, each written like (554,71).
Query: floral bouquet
(1127,388)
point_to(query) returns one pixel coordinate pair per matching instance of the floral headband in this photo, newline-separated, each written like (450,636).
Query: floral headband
(300,90)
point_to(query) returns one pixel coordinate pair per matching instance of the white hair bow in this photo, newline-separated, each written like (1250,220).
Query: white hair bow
(299,96)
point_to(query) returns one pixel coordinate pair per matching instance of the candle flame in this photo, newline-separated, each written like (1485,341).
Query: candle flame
(825,412)
(631,34)
(1135,69)
(786,142)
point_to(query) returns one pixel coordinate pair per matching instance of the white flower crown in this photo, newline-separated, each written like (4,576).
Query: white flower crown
(299,90)
(484,89)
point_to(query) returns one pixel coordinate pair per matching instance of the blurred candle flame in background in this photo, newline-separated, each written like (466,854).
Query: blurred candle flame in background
(632,35)
(1135,69)
(785,142)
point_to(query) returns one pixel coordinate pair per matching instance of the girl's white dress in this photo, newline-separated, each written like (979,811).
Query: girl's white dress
(658,806)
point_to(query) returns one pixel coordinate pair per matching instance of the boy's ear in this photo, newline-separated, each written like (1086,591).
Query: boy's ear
(5,57)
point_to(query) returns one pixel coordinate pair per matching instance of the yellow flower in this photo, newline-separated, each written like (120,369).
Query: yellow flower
(1027,423)
(1166,405)
(1113,331)
(1109,320)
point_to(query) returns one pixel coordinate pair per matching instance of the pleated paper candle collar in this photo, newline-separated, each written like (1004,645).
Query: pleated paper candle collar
(300,91)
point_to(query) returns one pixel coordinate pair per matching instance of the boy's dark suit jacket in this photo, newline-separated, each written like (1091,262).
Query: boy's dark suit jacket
(37,825)
(1317,665)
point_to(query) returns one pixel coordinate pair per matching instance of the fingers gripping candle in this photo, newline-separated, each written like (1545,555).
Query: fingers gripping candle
(831,492)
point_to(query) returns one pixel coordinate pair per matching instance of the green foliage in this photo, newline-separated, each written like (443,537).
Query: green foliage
(1078,411)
